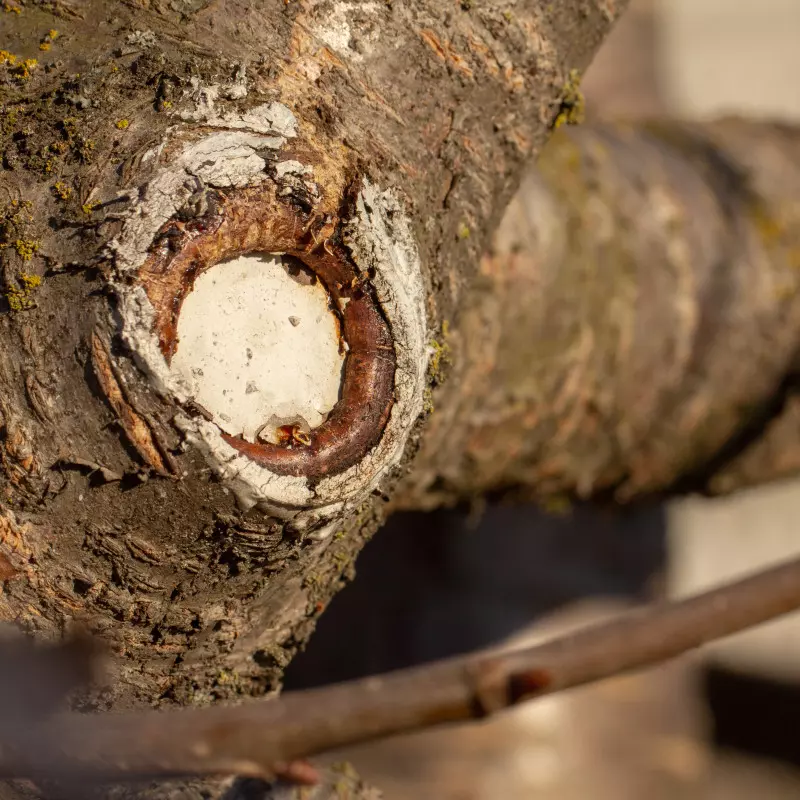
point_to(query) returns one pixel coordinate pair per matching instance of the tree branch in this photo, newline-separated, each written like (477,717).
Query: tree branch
(635,329)
(252,738)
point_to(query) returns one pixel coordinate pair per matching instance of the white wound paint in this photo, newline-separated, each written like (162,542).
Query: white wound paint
(269,118)
(222,160)
(257,349)
(381,241)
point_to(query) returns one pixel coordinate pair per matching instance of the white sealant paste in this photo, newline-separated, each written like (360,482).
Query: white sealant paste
(259,349)
(293,370)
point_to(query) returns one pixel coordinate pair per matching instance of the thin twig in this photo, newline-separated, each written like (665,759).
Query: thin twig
(253,738)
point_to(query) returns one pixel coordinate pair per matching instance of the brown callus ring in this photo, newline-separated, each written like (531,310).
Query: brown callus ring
(255,221)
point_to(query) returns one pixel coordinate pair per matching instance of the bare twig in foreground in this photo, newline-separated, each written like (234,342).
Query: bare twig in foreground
(253,738)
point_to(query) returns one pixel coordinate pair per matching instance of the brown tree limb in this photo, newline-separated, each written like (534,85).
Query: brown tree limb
(251,739)
(635,329)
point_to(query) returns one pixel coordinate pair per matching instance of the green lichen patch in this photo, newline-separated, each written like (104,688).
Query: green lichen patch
(572,108)
(441,355)
(441,358)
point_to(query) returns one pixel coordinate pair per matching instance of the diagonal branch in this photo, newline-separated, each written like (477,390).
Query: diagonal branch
(251,739)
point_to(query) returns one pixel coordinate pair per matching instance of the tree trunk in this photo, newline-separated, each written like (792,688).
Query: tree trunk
(329,168)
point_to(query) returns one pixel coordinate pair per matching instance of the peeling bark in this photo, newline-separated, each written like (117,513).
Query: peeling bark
(392,134)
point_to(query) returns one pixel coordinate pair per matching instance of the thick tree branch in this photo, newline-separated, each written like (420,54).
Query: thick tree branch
(251,739)
(151,144)
(636,328)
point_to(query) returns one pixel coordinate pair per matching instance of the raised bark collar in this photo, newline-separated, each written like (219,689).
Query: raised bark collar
(247,189)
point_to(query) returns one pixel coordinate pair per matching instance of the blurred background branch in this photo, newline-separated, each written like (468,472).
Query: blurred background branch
(260,739)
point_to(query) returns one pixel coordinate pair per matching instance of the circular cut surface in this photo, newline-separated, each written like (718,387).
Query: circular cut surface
(259,348)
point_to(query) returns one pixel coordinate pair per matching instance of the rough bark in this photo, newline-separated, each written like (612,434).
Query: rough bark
(115,513)
(635,329)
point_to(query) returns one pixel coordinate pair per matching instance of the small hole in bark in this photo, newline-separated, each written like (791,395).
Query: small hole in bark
(80,586)
(263,659)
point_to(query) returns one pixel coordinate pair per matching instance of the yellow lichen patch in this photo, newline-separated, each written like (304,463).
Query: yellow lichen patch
(440,358)
(572,107)
(47,40)
(11,8)
(26,248)
(19,69)
(427,401)
(19,298)
(24,68)
(121,124)
(61,190)
(14,218)
(30,282)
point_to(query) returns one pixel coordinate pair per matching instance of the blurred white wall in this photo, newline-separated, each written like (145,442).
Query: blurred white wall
(720,57)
